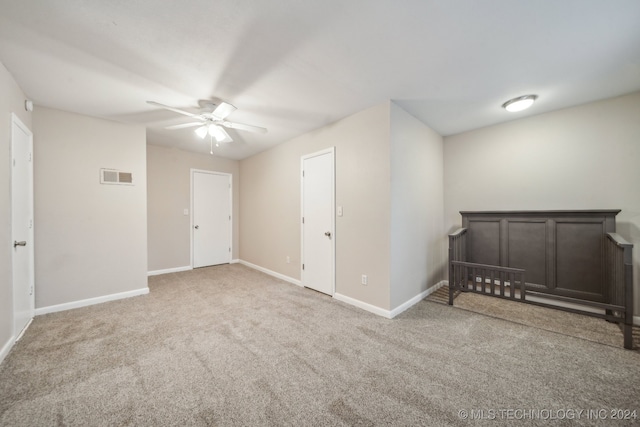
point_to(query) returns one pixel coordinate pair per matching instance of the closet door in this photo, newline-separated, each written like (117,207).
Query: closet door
(211,218)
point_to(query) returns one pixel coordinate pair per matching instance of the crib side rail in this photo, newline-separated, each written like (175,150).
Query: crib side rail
(503,282)
(619,279)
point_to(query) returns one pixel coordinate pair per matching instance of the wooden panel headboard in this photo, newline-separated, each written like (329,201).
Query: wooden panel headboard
(561,251)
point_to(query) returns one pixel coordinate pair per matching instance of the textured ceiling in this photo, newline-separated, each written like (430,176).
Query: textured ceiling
(293,66)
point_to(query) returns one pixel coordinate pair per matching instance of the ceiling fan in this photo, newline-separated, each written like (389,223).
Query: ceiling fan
(211,120)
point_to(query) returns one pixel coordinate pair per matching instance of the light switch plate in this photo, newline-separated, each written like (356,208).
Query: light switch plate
(186,211)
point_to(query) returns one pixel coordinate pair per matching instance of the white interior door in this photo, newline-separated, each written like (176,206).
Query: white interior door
(318,231)
(22,225)
(211,218)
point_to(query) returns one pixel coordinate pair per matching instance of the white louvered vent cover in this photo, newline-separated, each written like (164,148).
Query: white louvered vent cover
(112,176)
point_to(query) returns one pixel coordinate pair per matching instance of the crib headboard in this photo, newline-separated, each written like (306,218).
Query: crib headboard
(561,251)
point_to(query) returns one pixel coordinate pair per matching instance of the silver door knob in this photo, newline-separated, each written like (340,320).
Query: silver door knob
(328,234)
(23,243)
(196,227)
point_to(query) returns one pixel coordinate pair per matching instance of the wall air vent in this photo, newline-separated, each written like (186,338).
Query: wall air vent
(112,176)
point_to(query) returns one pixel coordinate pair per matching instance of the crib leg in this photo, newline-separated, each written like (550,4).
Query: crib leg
(628,336)
(451,291)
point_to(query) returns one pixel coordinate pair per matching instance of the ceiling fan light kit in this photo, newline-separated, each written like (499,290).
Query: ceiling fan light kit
(520,103)
(201,132)
(215,131)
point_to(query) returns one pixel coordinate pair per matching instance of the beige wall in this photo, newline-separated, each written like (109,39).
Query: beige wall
(11,101)
(417,237)
(91,239)
(169,193)
(270,204)
(577,158)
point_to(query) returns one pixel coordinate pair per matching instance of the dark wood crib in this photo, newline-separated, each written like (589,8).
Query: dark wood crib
(566,260)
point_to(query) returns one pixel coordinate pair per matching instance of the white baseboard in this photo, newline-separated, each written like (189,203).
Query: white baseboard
(363,305)
(234,261)
(271,273)
(90,301)
(24,329)
(390,314)
(422,295)
(169,270)
(6,348)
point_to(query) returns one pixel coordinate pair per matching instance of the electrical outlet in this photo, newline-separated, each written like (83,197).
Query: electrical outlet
(288,260)
(364,279)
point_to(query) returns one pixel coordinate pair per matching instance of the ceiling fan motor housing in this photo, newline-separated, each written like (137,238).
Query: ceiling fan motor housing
(207,105)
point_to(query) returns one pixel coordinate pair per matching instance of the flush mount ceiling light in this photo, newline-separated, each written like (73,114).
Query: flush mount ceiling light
(520,103)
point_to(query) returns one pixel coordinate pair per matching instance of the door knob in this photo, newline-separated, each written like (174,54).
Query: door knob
(328,234)
(196,227)
(23,243)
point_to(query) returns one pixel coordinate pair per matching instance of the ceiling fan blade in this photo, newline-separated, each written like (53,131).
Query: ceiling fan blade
(223,110)
(184,125)
(175,110)
(242,126)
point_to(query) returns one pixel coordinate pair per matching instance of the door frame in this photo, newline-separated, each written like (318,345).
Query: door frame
(332,151)
(191,174)
(15,121)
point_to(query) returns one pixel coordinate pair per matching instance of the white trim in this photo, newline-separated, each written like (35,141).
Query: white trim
(390,314)
(332,151)
(192,171)
(422,295)
(7,348)
(24,329)
(363,305)
(271,273)
(169,270)
(90,301)
(234,261)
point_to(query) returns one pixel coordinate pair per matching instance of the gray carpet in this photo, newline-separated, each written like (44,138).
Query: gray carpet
(231,346)
(561,322)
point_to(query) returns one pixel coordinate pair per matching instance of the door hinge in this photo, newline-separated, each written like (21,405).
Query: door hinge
(229,249)
(30,156)
(303,266)
(31,290)
(303,174)
(14,163)
(229,217)
(303,220)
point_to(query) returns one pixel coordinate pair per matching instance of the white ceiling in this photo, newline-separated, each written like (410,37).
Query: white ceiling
(293,66)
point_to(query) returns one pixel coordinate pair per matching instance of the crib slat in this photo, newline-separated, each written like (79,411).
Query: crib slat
(466,278)
(493,282)
(484,280)
(512,286)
